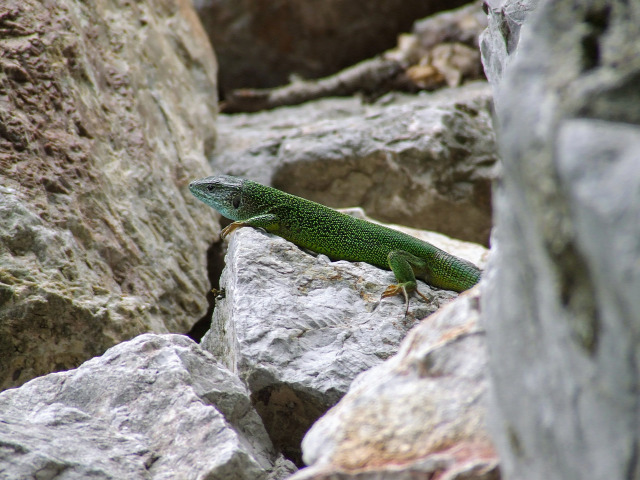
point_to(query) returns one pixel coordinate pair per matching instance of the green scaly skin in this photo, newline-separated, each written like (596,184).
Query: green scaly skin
(339,236)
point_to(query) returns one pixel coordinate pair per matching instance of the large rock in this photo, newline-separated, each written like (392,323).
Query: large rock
(425,161)
(260,44)
(299,328)
(420,414)
(156,407)
(561,304)
(107,112)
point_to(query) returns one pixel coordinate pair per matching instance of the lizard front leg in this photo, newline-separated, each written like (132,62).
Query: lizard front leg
(268,221)
(404,265)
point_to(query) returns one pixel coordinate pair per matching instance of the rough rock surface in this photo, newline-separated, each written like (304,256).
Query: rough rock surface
(299,328)
(500,39)
(155,407)
(425,161)
(260,44)
(561,303)
(420,414)
(107,111)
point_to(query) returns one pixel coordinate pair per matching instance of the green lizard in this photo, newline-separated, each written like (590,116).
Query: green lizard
(339,236)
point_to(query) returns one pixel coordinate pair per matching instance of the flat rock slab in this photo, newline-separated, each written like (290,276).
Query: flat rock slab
(299,328)
(421,414)
(155,407)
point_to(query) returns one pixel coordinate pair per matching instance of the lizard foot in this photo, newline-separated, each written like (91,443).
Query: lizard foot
(230,228)
(393,290)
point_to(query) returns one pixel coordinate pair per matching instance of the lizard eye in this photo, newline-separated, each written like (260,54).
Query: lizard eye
(236,201)
(210,188)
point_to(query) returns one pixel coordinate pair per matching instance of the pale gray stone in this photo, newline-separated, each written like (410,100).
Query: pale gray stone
(561,300)
(419,414)
(500,39)
(60,442)
(426,161)
(107,112)
(299,328)
(155,407)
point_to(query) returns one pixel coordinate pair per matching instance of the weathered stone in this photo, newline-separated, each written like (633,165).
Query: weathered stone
(500,39)
(107,111)
(155,407)
(299,328)
(426,161)
(561,300)
(420,414)
(261,44)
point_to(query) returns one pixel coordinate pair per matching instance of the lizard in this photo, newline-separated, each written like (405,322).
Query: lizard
(324,230)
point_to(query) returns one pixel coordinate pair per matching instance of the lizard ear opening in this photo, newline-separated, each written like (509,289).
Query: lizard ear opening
(236,201)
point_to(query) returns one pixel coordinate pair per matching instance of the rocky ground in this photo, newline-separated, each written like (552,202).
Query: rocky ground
(108,110)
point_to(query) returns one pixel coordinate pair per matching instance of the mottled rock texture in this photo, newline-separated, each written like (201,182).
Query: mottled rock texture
(499,41)
(425,161)
(155,407)
(420,414)
(299,328)
(561,303)
(260,44)
(107,110)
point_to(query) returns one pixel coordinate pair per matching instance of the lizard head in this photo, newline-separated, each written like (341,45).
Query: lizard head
(222,192)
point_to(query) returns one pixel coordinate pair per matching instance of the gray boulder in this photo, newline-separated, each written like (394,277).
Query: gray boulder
(156,407)
(299,328)
(420,414)
(561,300)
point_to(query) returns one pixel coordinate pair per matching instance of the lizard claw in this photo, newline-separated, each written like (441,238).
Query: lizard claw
(426,299)
(393,290)
(230,228)
(396,290)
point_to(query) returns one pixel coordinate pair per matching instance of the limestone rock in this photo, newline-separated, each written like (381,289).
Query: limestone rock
(155,407)
(420,414)
(500,39)
(426,161)
(298,328)
(107,111)
(561,300)
(261,44)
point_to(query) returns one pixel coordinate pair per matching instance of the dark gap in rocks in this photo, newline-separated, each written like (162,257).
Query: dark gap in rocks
(598,20)
(577,295)
(215,264)
(287,415)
